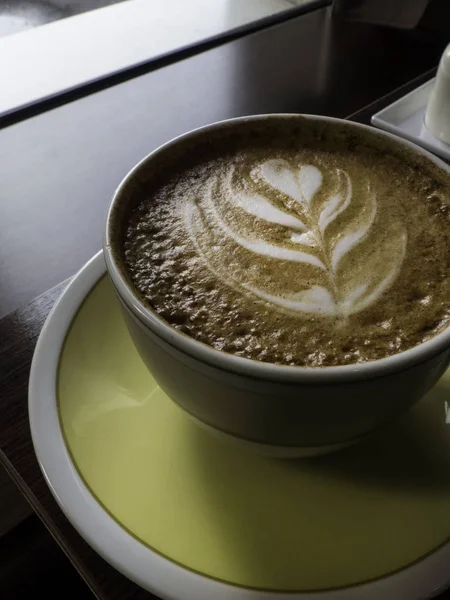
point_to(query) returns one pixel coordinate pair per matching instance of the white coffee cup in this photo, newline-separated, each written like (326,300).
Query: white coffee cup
(282,410)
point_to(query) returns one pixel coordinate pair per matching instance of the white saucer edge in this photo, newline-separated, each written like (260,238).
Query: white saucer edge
(147,568)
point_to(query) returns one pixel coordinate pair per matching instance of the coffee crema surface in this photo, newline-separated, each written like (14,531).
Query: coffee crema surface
(295,244)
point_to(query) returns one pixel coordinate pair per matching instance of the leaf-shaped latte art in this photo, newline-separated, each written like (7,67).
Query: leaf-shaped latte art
(335,205)
(300,186)
(315,299)
(257,205)
(353,237)
(286,214)
(257,245)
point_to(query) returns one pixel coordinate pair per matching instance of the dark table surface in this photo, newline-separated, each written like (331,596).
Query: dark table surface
(59,168)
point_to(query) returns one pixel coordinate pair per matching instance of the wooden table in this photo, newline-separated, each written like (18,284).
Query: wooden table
(59,168)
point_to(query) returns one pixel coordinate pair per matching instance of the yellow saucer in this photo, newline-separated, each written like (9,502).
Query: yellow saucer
(294,525)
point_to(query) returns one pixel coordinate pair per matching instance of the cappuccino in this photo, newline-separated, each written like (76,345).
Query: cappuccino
(294,244)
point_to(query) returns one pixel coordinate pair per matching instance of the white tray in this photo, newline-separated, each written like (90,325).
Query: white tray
(405,117)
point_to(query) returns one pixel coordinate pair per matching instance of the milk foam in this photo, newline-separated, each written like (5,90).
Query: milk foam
(280,212)
(290,248)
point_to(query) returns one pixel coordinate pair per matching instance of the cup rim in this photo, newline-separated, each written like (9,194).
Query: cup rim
(250,367)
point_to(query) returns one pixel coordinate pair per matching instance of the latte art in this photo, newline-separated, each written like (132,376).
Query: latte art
(312,249)
(306,217)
